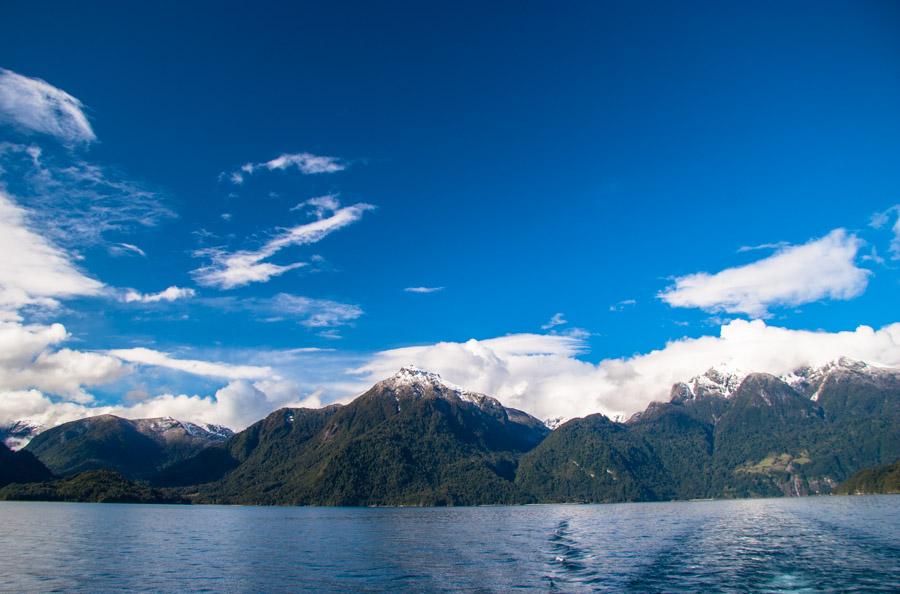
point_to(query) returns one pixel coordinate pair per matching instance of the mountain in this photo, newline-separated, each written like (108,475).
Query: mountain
(412,439)
(134,448)
(882,479)
(21,467)
(17,434)
(728,434)
(94,486)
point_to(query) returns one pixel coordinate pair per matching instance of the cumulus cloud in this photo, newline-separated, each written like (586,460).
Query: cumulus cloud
(33,271)
(30,359)
(144,356)
(236,405)
(228,270)
(306,163)
(173,293)
(820,269)
(543,375)
(423,290)
(34,105)
(881,219)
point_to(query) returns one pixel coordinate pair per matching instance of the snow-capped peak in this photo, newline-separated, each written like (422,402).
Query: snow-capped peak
(553,422)
(17,434)
(810,380)
(417,378)
(410,375)
(721,380)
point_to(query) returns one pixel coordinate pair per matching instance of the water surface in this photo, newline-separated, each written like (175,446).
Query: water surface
(832,544)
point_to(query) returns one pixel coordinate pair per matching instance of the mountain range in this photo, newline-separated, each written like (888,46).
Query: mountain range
(414,439)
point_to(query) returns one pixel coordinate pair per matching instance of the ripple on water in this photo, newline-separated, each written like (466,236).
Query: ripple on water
(831,544)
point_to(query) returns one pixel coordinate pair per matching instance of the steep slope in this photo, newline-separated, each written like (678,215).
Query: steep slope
(412,439)
(884,479)
(763,436)
(137,449)
(21,467)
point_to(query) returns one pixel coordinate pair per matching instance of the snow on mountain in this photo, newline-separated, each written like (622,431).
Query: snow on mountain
(420,381)
(810,380)
(553,422)
(168,427)
(17,434)
(720,381)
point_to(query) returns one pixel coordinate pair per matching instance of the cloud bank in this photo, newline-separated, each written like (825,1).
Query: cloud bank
(543,375)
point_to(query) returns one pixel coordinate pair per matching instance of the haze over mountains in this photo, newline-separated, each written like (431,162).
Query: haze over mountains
(415,439)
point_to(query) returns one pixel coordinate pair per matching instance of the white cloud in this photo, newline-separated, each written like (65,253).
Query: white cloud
(321,205)
(144,356)
(306,163)
(880,219)
(77,203)
(173,293)
(822,268)
(125,249)
(37,106)
(314,313)
(234,269)
(236,405)
(33,271)
(29,360)
(621,305)
(558,319)
(542,375)
(779,245)
(423,290)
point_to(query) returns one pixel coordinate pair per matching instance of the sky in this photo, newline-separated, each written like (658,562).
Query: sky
(211,211)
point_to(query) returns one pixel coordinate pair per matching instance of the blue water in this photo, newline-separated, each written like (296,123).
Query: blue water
(831,544)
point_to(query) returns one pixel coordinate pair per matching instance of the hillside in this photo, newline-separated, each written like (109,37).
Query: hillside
(884,479)
(93,486)
(134,448)
(21,467)
(410,440)
(414,439)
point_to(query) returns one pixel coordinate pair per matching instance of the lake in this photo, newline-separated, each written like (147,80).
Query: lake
(765,545)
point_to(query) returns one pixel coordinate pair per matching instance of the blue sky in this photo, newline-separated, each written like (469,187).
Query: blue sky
(526,160)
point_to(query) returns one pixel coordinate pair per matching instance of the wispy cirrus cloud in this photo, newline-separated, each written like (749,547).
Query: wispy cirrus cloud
(881,219)
(145,356)
(125,249)
(308,312)
(170,294)
(34,271)
(306,163)
(78,203)
(623,304)
(823,268)
(34,105)
(558,319)
(228,270)
(423,290)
